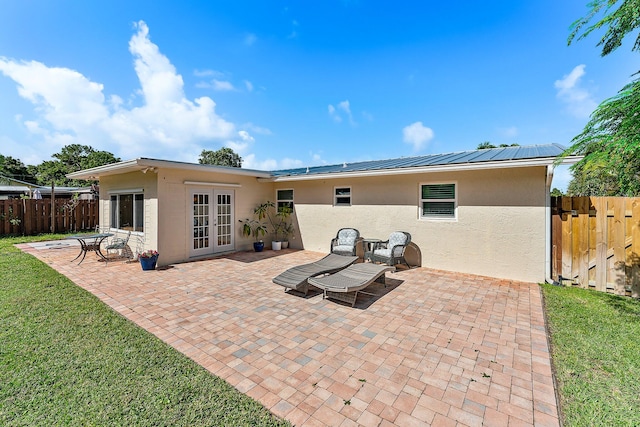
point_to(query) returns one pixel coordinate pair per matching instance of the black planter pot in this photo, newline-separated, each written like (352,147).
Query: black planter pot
(258,246)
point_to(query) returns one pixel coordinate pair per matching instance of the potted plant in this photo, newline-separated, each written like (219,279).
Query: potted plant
(283,226)
(264,211)
(148,259)
(287,231)
(252,227)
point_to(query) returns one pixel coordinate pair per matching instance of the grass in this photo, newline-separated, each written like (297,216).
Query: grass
(68,359)
(596,353)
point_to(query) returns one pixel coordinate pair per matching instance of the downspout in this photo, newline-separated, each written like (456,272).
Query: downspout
(548,224)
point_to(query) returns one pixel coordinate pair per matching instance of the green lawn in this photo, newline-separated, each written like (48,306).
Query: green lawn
(596,353)
(68,359)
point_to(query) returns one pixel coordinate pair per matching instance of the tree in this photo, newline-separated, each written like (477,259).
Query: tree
(618,23)
(485,145)
(71,158)
(610,141)
(14,168)
(222,157)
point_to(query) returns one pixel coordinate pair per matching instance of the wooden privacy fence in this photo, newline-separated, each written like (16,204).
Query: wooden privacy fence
(30,216)
(596,243)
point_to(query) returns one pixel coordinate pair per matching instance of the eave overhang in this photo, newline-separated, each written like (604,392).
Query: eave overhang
(146,165)
(544,161)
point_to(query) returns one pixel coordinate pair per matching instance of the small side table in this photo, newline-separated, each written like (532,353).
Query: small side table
(367,246)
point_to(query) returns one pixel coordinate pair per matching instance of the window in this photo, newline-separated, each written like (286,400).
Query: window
(342,196)
(284,198)
(127,211)
(438,201)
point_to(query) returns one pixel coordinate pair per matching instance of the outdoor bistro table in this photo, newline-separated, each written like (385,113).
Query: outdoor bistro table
(90,242)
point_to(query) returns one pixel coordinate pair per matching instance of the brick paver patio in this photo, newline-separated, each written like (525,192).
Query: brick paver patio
(437,348)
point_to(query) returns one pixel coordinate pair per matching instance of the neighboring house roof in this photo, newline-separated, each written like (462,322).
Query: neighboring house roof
(12,182)
(518,156)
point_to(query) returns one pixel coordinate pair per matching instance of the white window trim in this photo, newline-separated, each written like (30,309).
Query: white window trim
(119,193)
(286,200)
(335,196)
(454,218)
(125,191)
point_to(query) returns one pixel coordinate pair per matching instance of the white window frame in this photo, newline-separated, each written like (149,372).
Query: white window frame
(336,196)
(289,202)
(424,217)
(114,210)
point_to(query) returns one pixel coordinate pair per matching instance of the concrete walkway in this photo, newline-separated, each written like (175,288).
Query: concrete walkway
(436,348)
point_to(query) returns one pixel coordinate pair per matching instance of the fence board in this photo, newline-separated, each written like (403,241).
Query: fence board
(635,249)
(567,217)
(30,216)
(618,277)
(600,241)
(582,244)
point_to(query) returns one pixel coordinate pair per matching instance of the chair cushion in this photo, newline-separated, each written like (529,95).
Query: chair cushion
(343,249)
(347,237)
(396,239)
(383,252)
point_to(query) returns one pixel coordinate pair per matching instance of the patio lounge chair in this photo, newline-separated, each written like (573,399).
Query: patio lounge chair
(296,278)
(391,252)
(345,284)
(345,241)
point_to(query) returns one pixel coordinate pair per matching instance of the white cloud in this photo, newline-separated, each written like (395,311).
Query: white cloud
(343,109)
(257,129)
(244,135)
(417,135)
(333,114)
(248,85)
(70,108)
(207,73)
(578,100)
(222,85)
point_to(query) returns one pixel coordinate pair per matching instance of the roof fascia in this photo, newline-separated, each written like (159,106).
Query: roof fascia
(144,165)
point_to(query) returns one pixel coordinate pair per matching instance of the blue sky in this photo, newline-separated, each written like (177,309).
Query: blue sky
(296,83)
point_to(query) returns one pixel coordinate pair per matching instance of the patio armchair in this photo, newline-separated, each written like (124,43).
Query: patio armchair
(119,244)
(345,242)
(391,252)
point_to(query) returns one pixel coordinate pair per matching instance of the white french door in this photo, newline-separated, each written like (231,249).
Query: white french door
(212,218)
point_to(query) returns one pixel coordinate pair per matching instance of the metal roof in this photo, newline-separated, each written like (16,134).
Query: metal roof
(547,151)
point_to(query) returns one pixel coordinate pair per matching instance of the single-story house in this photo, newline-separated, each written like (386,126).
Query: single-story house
(484,211)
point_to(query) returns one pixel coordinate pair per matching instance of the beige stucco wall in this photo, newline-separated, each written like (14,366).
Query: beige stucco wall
(175,205)
(130,181)
(167,207)
(499,231)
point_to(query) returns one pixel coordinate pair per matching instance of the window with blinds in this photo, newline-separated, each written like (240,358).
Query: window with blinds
(438,201)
